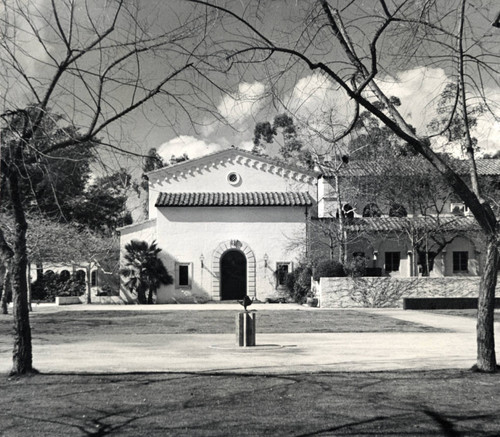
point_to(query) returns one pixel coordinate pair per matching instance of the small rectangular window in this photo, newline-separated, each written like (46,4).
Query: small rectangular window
(283,269)
(183,275)
(392,261)
(460,262)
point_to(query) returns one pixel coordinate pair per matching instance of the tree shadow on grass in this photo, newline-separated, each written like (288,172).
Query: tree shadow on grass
(217,403)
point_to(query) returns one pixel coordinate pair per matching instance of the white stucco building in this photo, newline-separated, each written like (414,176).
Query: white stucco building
(228,222)
(225,223)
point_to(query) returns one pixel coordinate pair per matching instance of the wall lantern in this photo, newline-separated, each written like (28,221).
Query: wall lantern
(202,258)
(266,258)
(375,255)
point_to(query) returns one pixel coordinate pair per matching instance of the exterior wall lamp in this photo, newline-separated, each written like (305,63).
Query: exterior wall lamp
(202,258)
(266,259)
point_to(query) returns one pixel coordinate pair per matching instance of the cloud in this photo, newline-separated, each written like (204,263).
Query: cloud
(316,95)
(33,55)
(315,98)
(30,55)
(246,103)
(246,145)
(418,90)
(193,147)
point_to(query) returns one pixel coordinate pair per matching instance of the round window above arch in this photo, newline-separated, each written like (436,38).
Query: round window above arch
(234,178)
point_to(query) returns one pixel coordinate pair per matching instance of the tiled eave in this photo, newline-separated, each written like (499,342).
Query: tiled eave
(407,167)
(234,199)
(405,224)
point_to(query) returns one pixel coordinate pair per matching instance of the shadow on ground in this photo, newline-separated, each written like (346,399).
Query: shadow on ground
(448,403)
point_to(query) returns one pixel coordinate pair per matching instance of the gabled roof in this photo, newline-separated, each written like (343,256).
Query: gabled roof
(231,153)
(406,166)
(399,224)
(235,199)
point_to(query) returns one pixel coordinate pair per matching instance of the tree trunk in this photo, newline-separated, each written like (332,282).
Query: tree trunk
(22,354)
(342,230)
(89,283)
(486,360)
(150,296)
(6,253)
(28,283)
(141,294)
(5,289)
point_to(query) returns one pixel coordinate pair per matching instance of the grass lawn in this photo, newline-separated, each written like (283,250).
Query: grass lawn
(160,404)
(88,323)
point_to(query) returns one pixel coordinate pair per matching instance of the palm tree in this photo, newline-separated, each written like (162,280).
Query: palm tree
(144,270)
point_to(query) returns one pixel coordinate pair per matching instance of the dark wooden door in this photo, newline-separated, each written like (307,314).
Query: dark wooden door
(233,268)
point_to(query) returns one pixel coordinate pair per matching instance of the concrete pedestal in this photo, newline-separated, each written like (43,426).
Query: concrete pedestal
(245,328)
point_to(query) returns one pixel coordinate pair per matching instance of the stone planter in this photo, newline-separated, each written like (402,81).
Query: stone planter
(67,300)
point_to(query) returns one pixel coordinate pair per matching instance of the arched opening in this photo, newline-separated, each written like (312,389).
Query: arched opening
(233,273)
(397,210)
(347,212)
(372,210)
(64,276)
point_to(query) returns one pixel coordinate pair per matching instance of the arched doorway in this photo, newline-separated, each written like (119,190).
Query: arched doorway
(233,274)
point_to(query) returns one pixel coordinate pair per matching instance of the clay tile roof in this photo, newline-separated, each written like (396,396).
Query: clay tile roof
(399,224)
(408,167)
(485,167)
(235,199)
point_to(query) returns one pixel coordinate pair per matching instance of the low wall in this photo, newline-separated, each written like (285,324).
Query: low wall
(112,300)
(69,300)
(389,292)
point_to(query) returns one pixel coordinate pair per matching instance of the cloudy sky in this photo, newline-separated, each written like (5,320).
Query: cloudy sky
(242,97)
(418,86)
(249,104)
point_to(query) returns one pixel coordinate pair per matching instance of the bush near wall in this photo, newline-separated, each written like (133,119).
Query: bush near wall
(385,292)
(328,269)
(53,285)
(298,283)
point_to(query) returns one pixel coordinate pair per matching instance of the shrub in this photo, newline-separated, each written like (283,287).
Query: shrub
(298,283)
(106,290)
(53,285)
(356,267)
(329,269)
